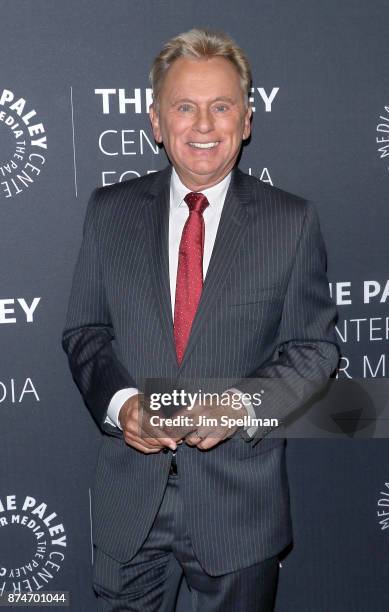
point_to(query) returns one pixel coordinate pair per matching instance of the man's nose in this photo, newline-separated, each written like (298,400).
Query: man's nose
(204,121)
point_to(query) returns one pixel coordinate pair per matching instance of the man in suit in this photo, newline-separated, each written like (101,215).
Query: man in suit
(196,277)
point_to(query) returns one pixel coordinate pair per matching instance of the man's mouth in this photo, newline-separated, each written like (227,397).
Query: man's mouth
(204,145)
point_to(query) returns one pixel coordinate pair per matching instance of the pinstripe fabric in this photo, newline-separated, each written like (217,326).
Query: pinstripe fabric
(265,311)
(142,584)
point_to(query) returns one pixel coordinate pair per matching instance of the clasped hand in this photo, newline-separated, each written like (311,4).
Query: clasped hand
(202,426)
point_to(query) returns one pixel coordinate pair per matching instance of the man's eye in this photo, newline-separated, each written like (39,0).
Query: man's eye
(185,108)
(221,108)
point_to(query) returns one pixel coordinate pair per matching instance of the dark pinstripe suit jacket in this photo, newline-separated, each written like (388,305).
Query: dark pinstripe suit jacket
(265,312)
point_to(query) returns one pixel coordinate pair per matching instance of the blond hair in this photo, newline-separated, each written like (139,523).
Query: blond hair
(199,44)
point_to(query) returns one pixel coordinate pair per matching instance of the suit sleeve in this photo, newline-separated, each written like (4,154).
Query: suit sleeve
(307,352)
(88,334)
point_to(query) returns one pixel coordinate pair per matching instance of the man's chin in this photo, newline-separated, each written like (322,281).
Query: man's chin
(201,176)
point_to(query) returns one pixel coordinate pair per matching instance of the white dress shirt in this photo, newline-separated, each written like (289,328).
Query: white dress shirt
(178,214)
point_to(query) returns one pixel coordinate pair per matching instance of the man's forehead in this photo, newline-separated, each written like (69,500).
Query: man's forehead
(201,80)
(187,69)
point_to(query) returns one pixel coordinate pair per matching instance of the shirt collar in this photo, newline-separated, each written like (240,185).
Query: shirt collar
(214,194)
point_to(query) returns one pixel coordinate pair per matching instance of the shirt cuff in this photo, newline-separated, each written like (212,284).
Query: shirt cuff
(116,403)
(250,429)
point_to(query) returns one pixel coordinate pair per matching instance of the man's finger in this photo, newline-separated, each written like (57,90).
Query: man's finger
(144,449)
(138,432)
(157,434)
(209,442)
(132,439)
(194,438)
(141,447)
(206,439)
(157,437)
(161,442)
(152,436)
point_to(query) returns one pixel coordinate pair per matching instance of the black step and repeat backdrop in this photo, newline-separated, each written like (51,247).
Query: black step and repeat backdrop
(74,96)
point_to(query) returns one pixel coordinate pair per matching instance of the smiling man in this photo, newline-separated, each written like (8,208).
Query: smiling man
(203,276)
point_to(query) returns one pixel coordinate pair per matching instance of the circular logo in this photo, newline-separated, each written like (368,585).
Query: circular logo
(32,544)
(24,144)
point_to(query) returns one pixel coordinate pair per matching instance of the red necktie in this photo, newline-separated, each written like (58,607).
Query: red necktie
(189,272)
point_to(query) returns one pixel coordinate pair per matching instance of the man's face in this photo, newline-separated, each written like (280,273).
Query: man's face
(201,119)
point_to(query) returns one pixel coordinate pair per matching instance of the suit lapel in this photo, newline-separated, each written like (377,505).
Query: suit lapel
(233,223)
(156,223)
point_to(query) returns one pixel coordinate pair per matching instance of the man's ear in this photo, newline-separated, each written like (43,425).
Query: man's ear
(154,118)
(247,122)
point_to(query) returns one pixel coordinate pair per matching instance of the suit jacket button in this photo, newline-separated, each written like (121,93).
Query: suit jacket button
(165,450)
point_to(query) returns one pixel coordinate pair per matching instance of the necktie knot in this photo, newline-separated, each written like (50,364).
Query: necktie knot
(197,202)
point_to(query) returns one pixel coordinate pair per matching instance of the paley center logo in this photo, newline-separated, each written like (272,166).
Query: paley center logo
(382,136)
(33,544)
(24,144)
